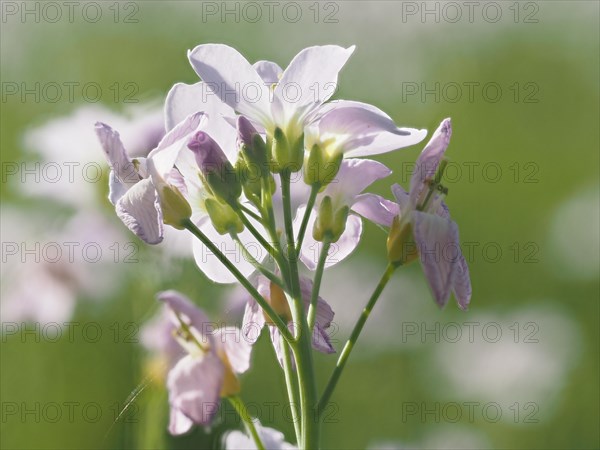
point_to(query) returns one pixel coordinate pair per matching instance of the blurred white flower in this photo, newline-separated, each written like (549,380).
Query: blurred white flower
(574,239)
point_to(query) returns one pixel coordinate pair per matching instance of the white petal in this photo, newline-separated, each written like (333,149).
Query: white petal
(231,77)
(140,212)
(376,209)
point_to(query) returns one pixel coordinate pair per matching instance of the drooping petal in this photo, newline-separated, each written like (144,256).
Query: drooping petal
(253,321)
(436,240)
(309,254)
(365,130)
(231,77)
(194,386)
(323,318)
(140,212)
(376,209)
(210,264)
(236,347)
(311,77)
(185,308)
(430,158)
(269,71)
(462,283)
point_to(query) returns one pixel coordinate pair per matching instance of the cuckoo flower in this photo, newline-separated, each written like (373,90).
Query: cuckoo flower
(255,318)
(208,372)
(424,227)
(271,438)
(343,200)
(132,190)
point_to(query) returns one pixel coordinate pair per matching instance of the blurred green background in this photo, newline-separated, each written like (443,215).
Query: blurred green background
(525,181)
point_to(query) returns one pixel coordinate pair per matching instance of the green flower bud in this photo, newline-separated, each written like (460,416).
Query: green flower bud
(321,168)
(330,224)
(287,154)
(175,208)
(223,217)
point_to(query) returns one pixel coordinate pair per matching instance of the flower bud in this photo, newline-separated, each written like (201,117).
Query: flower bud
(321,168)
(223,217)
(330,224)
(175,208)
(218,172)
(287,154)
(252,145)
(401,246)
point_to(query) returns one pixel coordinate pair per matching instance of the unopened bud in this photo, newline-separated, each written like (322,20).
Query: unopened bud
(218,172)
(330,224)
(223,217)
(252,145)
(321,168)
(287,152)
(175,208)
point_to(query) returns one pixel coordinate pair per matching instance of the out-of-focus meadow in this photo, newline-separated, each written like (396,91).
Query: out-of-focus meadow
(520,81)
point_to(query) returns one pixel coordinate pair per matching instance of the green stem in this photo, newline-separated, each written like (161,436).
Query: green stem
(240,408)
(309,207)
(291,382)
(189,225)
(312,310)
(261,240)
(250,213)
(343,359)
(302,346)
(262,269)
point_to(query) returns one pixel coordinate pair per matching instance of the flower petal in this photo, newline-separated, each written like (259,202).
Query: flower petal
(269,71)
(376,209)
(366,130)
(311,77)
(210,264)
(194,386)
(231,77)
(309,254)
(140,212)
(436,240)
(430,158)
(354,176)
(402,198)
(253,321)
(462,284)
(236,346)
(179,423)
(123,173)
(182,305)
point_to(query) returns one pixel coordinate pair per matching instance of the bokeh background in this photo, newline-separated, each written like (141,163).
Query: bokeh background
(520,81)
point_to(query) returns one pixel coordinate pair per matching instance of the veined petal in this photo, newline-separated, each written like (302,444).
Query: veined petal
(236,347)
(231,77)
(376,209)
(324,316)
(311,78)
(309,254)
(269,71)
(436,240)
(462,283)
(430,158)
(140,212)
(116,188)
(210,264)
(366,130)
(194,386)
(116,155)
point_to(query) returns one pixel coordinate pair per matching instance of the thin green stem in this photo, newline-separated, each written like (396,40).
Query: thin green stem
(189,225)
(312,310)
(261,240)
(302,346)
(343,359)
(250,213)
(314,190)
(262,269)
(240,408)
(291,382)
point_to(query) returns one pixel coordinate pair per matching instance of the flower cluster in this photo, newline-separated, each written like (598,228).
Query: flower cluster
(266,172)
